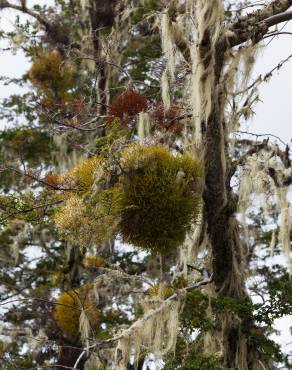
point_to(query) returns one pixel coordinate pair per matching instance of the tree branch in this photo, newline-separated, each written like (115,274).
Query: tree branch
(279,18)
(262,135)
(255,25)
(80,127)
(54,30)
(5,4)
(255,149)
(40,181)
(27,210)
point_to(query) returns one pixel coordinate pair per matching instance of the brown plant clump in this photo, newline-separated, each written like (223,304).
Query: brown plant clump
(126,106)
(167,120)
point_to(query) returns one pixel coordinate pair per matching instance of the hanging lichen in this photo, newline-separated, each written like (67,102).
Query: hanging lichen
(285,220)
(64,156)
(256,180)
(15,234)
(143,129)
(239,65)
(168,46)
(156,332)
(208,18)
(165,93)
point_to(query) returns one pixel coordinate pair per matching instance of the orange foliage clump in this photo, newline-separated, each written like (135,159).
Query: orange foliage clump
(52,180)
(127,105)
(167,120)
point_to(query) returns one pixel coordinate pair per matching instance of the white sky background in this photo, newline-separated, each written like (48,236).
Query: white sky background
(14,65)
(273,113)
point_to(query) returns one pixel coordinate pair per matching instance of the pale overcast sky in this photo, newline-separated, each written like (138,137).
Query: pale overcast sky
(273,113)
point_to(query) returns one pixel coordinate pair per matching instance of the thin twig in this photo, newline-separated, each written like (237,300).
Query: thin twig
(27,210)
(261,135)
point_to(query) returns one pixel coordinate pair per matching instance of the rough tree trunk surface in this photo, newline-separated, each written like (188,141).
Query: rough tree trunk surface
(228,256)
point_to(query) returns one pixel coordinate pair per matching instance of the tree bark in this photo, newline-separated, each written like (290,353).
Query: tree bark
(102,16)
(228,255)
(68,356)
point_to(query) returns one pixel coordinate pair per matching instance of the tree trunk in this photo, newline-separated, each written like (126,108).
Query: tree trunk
(68,357)
(228,255)
(102,16)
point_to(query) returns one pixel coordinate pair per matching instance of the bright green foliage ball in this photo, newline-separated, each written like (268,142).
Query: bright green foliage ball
(160,198)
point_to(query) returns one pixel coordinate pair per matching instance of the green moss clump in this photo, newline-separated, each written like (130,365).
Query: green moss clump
(152,203)
(159,199)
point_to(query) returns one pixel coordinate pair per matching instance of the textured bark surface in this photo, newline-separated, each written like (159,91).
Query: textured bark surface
(255,25)
(68,356)
(102,16)
(222,226)
(228,252)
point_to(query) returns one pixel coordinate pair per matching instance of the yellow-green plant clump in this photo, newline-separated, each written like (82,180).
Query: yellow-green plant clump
(82,177)
(88,221)
(93,262)
(87,216)
(51,74)
(70,218)
(68,308)
(160,291)
(152,202)
(159,199)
